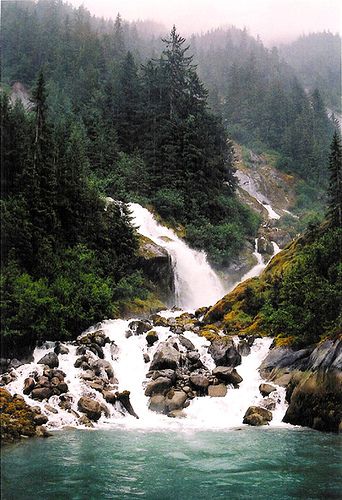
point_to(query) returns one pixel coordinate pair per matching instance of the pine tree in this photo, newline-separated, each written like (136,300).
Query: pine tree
(335,185)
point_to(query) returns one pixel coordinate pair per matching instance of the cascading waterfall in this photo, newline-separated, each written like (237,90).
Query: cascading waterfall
(196,285)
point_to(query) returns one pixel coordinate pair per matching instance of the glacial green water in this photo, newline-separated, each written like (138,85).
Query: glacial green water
(238,464)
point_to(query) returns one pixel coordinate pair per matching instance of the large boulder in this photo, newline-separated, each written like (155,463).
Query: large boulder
(316,401)
(189,346)
(90,407)
(158,403)
(166,356)
(50,360)
(175,400)
(224,353)
(158,386)
(227,374)
(41,393)
(257,416)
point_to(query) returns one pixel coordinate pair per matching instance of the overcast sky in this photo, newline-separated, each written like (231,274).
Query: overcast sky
(273,20)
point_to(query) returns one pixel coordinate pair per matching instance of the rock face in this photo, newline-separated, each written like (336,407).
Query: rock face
(166,356)
(224,353)
(156,264)
(90,407)
(312,378)
(257,416)
(316,401)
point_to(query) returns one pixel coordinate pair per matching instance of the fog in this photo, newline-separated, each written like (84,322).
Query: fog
(273,20)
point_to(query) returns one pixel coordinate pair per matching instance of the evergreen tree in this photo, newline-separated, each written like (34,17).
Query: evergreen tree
(335,185)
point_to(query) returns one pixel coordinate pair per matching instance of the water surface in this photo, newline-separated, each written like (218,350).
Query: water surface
(238,464)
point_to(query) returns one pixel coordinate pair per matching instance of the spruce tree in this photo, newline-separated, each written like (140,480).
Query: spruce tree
(335,185)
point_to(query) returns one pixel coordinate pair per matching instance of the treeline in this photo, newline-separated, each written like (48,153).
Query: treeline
(150,136)
(68,260)
(263,103)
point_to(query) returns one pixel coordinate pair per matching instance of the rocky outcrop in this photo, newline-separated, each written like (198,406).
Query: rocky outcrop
(18,419)
(313,381)
(156,264)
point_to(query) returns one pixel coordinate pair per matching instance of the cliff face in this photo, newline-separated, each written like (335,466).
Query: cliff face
(157,266)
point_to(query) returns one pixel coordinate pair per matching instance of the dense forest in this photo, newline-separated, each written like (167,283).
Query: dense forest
(119,112)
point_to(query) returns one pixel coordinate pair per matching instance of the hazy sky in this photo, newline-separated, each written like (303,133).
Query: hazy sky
(273,20)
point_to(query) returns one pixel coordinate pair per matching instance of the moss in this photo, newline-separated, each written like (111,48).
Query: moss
(142,307)
(280,341)
(17,418)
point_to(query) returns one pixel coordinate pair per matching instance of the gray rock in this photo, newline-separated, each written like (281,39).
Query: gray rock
(50,359)
(224,353)
(40,419)
(146,357)
(101,365)
(189,346)
(151,338)
(158,386)
(268,403)
(139,327)
(256,416)
(327,355)
(227,374)
(244,348)
(193,356)
(166,356)
(171,374)
(285,357)
(158,403)
(84,420)
(175,400)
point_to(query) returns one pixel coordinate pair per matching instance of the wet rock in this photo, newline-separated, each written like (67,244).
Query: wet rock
(256,416)
(124,399)
(88,375)
(224,353)
(15,363)
(175,400)
(79,361)
(40,419)
(189,346)
(105,410)
(269,404)
(158,386)
(97,350)
(84,420)
(266,389)
(114,351)
(166,356)
(171,374)
(41,393)
(244,348)
(139,327)
(264,246)
(55,381)
(60,349)
(51,409)
(159,320)
(151,338)
(201,311)
(217,391)
(62,387)
(65,402)
(81,350)
(158,403)
(109,396)
(6,379)
(98,338)
(285,357)
(316,401)
(90,407)
(199,382)
(41,431)
(97,386)
(50,360)
(146,357)
(43,381)
(227,374)
(57,373)
(128,334)
(101,365)
(29,385)
(193,356)
(176,414)
(327,355)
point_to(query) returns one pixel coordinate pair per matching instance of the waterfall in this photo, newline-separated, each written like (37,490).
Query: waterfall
(129,355)
(196,283)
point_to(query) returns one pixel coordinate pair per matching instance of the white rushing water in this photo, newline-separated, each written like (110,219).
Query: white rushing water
(196,285)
